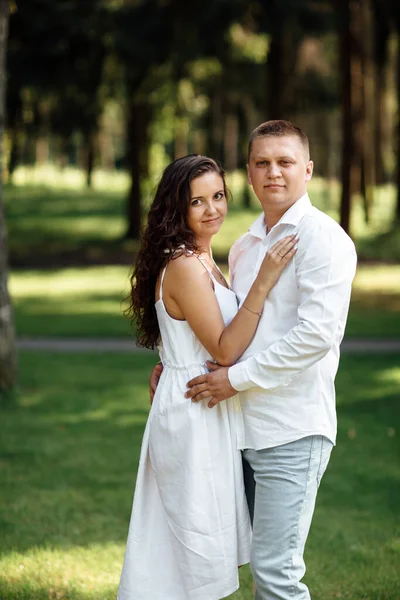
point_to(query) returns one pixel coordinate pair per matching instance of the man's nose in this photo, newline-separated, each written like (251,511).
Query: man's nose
(274,170)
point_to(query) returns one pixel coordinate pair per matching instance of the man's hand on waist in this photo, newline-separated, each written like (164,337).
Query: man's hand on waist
(214,385)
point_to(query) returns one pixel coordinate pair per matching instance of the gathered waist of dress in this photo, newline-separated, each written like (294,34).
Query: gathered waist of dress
(182,367)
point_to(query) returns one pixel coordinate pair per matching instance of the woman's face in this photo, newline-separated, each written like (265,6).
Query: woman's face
(207,206)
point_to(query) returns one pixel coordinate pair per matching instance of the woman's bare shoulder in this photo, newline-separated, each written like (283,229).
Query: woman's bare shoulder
(185,265)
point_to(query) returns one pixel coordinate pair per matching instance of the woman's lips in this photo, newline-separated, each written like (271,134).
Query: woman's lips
(211,220)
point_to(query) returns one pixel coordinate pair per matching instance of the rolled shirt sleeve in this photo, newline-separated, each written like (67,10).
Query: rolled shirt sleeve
(325,268)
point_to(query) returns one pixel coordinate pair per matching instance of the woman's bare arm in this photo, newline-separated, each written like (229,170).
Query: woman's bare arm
(187,284)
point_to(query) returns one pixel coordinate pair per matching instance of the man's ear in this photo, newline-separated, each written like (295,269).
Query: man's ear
(309,170)
(248,175)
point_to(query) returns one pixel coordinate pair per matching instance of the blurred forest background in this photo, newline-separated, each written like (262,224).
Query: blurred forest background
(99,96)
(124,86)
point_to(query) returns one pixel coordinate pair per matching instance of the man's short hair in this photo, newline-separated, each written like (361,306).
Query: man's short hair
(278,128)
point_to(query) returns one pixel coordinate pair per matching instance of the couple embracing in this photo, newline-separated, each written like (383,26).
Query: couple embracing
(243,419)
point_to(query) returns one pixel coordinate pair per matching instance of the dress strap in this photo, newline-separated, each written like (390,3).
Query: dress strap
(162,281)
(207,268)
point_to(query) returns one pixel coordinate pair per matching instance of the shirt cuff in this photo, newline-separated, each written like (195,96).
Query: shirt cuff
(238,377)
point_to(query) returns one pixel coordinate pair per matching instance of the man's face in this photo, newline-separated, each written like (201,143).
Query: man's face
(279,170)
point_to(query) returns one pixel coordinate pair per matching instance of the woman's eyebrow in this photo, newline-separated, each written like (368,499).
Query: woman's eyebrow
(198,197)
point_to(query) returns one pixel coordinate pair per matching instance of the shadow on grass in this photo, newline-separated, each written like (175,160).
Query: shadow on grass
(69,452)
(70,449)
(27,202)
(81,315)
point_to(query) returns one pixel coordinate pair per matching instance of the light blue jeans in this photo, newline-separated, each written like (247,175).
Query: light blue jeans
(281,488)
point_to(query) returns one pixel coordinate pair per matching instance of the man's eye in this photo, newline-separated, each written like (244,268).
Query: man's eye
(260,163)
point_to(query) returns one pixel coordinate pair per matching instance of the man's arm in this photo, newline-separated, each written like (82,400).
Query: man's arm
(154,379)
(326,264)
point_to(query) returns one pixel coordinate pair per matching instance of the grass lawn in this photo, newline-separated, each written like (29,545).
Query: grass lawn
(50,216)
(69,452)
(87,302)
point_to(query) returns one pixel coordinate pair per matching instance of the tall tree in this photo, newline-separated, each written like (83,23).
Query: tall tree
(347,132)
(381,27)
(357,106)
(396,20)
(8,360)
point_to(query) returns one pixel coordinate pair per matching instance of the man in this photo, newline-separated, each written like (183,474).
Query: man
(285,378)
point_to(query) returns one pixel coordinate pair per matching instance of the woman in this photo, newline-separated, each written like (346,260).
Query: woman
(190,527)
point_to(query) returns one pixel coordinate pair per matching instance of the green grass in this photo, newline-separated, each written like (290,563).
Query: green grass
(68,455)
(89,302)
(51,217)
(86,302)
(45,224)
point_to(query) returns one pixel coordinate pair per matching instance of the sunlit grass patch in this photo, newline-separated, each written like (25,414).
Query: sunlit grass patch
(375,304)
(54,177)
(90,301)
(72,302)
(61,573)
(69,451)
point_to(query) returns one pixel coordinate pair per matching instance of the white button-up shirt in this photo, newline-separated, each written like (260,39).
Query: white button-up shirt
(286,375)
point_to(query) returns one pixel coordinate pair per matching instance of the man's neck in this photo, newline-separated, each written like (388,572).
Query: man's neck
(272,217)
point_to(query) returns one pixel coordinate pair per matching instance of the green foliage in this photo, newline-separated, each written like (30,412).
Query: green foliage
(64,45)
(69,451)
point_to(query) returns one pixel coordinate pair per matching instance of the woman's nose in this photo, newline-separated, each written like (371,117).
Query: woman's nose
(210,207)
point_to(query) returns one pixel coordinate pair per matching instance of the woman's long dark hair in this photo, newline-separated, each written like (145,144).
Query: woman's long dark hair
(166,230)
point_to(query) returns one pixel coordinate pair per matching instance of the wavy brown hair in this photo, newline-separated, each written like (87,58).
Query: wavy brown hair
(166,230)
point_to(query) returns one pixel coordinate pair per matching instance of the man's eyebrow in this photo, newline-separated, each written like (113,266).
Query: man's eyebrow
(261,157)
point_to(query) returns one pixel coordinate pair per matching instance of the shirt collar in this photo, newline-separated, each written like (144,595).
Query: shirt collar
(292,216)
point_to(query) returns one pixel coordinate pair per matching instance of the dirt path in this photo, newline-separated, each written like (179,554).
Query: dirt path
(349,345)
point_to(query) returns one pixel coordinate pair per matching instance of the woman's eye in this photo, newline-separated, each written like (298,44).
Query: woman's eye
(219,196)
(195,202)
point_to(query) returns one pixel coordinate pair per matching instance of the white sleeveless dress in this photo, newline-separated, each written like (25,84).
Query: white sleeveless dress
(190,527)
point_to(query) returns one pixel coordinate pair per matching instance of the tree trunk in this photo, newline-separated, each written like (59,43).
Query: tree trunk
(275,78)
(231,139)
(42,151)
(216,117)
(90,155)
(379,117)
(347,134)
(357,138)
(138,157)
(397,215)
(367,149)
(8,356)
(14,153)
(14,125)
(381,28)
(181,136)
